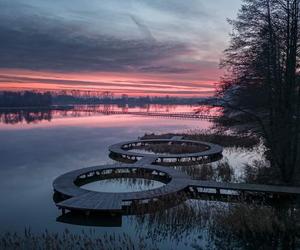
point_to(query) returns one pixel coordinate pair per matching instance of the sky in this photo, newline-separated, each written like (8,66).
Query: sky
(134,47)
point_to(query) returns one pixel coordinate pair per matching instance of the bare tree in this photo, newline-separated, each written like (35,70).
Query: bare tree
(261,88)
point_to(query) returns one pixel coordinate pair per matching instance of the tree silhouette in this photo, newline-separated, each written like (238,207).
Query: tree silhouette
(25,99)
(260,91)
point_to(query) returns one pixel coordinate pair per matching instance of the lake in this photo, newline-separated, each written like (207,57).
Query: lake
(38,147)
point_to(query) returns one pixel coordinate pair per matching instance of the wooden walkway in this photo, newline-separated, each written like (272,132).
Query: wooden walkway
(212,152)
(244,187)
(81,199)
(176,182)
(77,198)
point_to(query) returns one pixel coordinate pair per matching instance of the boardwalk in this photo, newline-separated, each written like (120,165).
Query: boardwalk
(244,187)
(81,199)
(211,153)
(176,182)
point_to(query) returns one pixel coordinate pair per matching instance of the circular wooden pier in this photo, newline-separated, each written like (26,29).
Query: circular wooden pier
(74,198)
(210,153)
(77,198)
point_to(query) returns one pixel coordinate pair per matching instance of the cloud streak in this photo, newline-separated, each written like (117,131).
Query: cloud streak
(175,41)
(131,87)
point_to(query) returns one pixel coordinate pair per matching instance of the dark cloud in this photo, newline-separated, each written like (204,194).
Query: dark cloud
(40,43)
(143,28)
(168,39)
(165,69)
(182,8)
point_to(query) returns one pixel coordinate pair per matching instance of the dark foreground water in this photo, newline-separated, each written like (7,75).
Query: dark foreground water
(35,151)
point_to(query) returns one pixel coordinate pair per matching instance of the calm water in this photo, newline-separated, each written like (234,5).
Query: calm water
(35,151)
(123,185)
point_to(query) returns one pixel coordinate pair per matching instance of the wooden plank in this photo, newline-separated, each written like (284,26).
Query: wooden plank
(93,201)
(100,201)
(213,149)
(146,161)
(247,187)
(177,138)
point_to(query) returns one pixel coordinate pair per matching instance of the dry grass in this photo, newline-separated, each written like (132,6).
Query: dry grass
(221,171)
(259,173)
(224,171)
(183,222)
(67,240)
(226,140)
(245,226)
(229,225)
(173,148)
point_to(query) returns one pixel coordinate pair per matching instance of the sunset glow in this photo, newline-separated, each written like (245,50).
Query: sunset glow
(130,84)
(114,46)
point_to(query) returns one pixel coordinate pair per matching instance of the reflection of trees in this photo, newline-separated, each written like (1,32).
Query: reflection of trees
(220,171)
(28,116)
(138,184)
(14,116)
(174,148)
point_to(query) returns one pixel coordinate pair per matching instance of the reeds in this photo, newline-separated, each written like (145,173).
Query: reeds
(219,225)
(237,225)
(219,171)
(165,148)
(260,172)
(257,227)
(69,241)
(224,139)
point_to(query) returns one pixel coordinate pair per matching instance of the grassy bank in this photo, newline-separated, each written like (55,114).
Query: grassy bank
(225,140)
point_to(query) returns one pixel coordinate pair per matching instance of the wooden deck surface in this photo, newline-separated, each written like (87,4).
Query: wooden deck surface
(82,199)
(244,187)
(77,198)
(212,150)
(86,200)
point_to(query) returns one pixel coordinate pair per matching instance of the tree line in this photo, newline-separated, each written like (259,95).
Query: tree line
(260,90)
(25,99)
(41,99)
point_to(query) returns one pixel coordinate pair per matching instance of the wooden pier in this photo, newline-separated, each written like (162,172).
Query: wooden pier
(75,198)
(212,152)
(78,199)
(81,199)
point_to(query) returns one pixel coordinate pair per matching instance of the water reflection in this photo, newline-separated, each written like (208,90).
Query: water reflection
(123,185)
(28,116)
(34,155)
(95,220)
(218,171)
(34,115)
